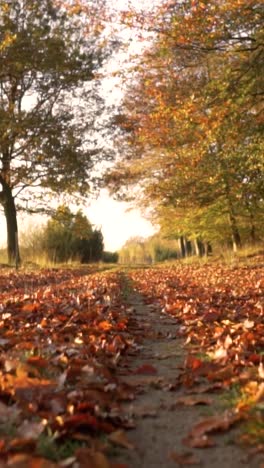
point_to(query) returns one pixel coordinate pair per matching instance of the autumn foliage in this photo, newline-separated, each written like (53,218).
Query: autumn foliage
(192,120)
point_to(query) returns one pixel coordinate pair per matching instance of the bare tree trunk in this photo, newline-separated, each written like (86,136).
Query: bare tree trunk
(207,248)
(200,247)
(236,239)
(11,225)
(253,235)
(181,247)
(187,247)
(235,232)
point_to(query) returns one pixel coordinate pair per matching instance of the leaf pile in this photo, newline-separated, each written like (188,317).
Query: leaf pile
(219,313)
(63,334)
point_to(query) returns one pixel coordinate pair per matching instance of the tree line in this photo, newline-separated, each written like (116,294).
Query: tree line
(66,237)
(191,141)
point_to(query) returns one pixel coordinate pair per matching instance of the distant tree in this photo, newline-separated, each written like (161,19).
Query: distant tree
(153,249)
(95,247)
(47,58)
(110,257)
(71,236)
(59,239)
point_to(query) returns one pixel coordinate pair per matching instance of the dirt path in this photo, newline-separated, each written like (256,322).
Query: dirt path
(161,424)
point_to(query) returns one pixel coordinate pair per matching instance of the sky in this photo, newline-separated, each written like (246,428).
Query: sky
(112,217)
(116,222)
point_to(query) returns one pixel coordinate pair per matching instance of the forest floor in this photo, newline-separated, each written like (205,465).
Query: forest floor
(136,368)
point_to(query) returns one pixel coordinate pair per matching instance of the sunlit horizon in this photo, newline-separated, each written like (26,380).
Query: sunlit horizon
(116,220)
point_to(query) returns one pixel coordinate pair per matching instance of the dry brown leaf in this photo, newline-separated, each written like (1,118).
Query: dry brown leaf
(185,458)
(214,423)
(119,438)
(87,458)
(192,400)
(202,441)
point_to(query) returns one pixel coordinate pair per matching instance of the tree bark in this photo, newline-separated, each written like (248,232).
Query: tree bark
(181,247)
(235,232)
(253,235)
(187,247)
(11,225)
(200,247)
(236,239)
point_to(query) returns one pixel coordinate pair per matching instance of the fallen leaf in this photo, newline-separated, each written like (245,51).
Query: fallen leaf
(214,423)
(87,458)
(191,362)
(22,460)
(146,369)
(202,441)
(248,324)
(224,373)
(120,438)
(192,400)
(185,458)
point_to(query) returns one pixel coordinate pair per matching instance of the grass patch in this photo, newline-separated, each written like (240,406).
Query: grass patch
(8,429)
(53,449)
(203,357)
(231,397)
(253,430)
(127,286)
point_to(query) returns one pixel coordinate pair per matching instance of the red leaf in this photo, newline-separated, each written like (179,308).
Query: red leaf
(38,361)
(191,362)
(146,369)
(81,420)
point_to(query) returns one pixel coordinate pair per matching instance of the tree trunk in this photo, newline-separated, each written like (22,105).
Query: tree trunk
(187,247)
(253,235)
(11,225)
(235,232)
(207,249)
(236,239)
(200,247)
(196,247)
(181,247)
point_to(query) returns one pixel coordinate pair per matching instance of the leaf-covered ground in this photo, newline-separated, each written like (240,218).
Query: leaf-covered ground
(63,334)
(218,314)
(78,350)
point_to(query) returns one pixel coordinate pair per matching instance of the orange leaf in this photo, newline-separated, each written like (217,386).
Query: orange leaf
(105,325)
(191,362)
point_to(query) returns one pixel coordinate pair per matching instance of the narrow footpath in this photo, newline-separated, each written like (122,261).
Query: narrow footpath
(161,424)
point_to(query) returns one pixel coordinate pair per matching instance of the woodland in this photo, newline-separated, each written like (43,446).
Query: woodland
(187,137)
(151,357)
